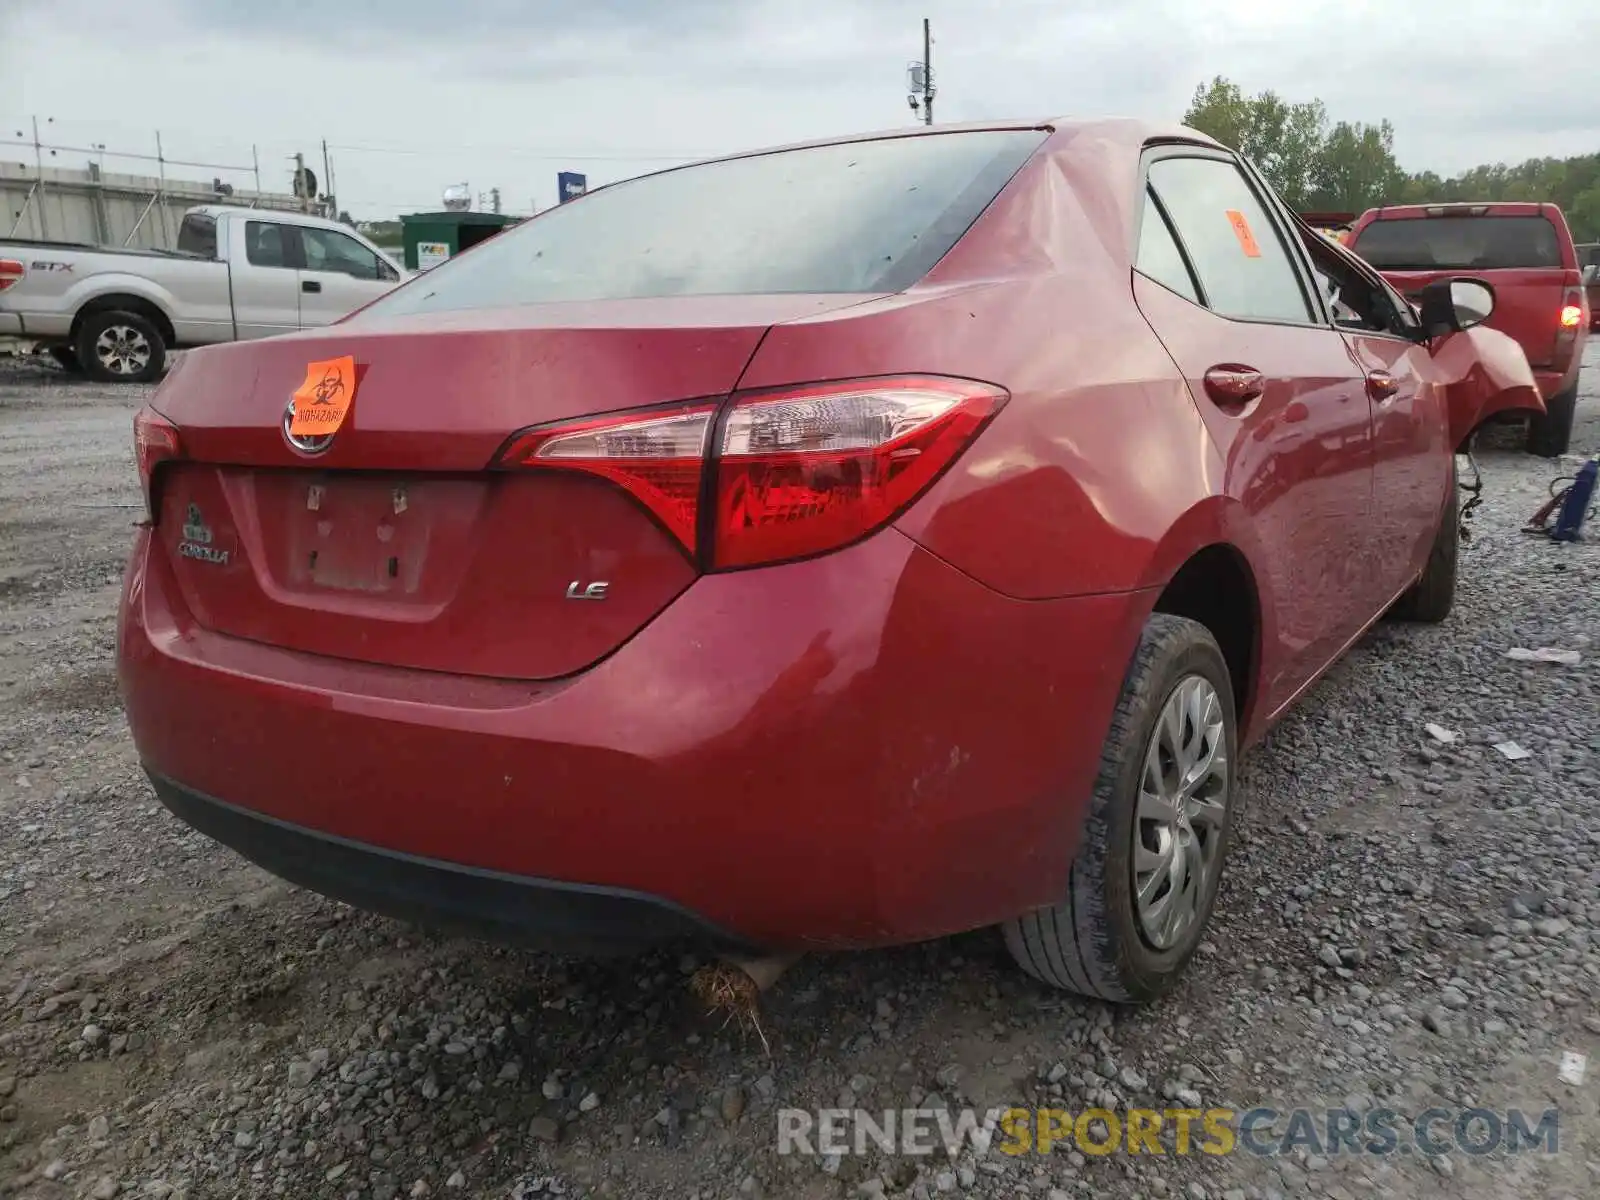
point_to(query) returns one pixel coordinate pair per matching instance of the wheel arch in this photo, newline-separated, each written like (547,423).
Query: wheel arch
(125,302)
(1206,569)
(1216,587)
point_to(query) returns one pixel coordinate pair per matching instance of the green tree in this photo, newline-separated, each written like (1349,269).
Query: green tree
(1349,167)
(1283,140)
(1356,168)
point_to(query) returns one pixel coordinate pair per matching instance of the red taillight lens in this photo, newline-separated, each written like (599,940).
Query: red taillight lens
(812,469)
(660,460)
(799,472)
(10,272)
(1571,315)
(155,441)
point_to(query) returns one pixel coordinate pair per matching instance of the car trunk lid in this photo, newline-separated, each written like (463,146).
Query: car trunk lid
(398,545)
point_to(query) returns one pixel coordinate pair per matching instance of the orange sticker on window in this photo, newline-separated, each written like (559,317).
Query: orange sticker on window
(323,401)
(1241,230)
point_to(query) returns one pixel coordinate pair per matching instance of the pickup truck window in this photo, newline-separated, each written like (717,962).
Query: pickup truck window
(265,244)
(1463,243)
(327,250)
(198,235)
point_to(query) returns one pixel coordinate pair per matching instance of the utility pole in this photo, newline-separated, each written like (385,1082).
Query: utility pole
(494,200)
(331,208)
(919,77)
(299,181)
(927,73)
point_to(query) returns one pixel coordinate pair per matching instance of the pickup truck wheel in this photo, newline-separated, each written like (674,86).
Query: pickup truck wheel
(1550,435)
(1148,868)
(116,346)
(1433,595)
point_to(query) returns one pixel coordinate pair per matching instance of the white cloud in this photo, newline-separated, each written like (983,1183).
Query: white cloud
(414,95)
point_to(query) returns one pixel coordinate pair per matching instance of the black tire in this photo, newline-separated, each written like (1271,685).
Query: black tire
(1550,435)
(1091,943)
(144,359)
(67,359)
(1430,599)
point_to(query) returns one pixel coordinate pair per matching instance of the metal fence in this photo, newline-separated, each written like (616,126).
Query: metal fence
(89,204)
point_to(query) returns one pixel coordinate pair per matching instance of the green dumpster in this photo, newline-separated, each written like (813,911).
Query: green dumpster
(430,238)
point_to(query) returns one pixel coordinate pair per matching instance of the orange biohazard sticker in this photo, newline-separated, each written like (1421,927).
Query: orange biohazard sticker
(323,400)
(1241,230)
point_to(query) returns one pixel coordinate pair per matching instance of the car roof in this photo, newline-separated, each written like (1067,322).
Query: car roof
(1129,133)
(217,210)
(1484,208)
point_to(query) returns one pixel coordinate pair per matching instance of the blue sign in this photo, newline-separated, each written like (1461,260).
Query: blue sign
(570,185)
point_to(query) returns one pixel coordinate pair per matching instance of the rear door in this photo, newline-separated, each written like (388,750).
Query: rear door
(1278,389)
(338,275)
(266,286)
(1520,254)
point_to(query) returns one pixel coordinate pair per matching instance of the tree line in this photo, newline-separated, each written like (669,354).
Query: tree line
(1323,166)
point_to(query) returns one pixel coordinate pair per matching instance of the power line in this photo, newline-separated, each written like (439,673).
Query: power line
(524,152)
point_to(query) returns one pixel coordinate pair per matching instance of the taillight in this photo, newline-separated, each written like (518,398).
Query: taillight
(11,271)
(798,471)
(1571,315)
(155,441)
(809,470)
(660,460)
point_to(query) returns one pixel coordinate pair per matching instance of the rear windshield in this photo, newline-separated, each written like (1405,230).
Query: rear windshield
(198,235)
(1459,243)
(871,216)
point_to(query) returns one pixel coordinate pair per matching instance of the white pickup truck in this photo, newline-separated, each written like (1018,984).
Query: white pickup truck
(237,273)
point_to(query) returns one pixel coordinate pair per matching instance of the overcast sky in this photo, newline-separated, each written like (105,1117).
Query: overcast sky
(416,94)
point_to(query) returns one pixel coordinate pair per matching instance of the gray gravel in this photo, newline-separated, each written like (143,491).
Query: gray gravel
(1406,923)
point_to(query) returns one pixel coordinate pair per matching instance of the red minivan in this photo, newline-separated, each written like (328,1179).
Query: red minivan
(1526,252)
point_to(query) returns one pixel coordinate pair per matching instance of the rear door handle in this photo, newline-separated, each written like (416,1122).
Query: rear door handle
(310,285)
(1232,385)
(1381,385)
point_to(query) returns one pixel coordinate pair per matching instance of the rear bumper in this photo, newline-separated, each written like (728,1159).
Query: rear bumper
(1553,383)
(507,908)
(864,749)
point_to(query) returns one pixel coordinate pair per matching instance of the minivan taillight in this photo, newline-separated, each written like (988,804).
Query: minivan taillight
(11,271)
(790,473)
(155,441)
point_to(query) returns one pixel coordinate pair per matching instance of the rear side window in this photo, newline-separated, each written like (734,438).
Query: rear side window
(198,235)
(1243,267)
(871,216)
(265,244)
(1159,256)
(1463,243)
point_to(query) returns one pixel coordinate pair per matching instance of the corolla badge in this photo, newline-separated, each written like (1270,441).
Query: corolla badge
(198,543)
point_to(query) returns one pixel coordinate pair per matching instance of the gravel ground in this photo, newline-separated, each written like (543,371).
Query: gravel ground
(1405,923)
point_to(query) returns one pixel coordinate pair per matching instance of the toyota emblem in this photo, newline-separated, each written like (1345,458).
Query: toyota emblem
(304,445)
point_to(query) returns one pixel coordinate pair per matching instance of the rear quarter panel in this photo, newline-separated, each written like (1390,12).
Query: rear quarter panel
(1098,475)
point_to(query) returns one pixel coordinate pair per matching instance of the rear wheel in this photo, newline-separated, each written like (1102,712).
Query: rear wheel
(116,346)
(1432,596)
(1146,877)
(1550,435)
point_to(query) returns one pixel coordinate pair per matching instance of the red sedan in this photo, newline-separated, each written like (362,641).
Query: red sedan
(828,547)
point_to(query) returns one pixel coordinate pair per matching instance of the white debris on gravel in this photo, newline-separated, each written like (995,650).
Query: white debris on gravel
(1408,922)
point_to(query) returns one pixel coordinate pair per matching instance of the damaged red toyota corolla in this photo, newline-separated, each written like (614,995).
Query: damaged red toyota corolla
(829,547)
